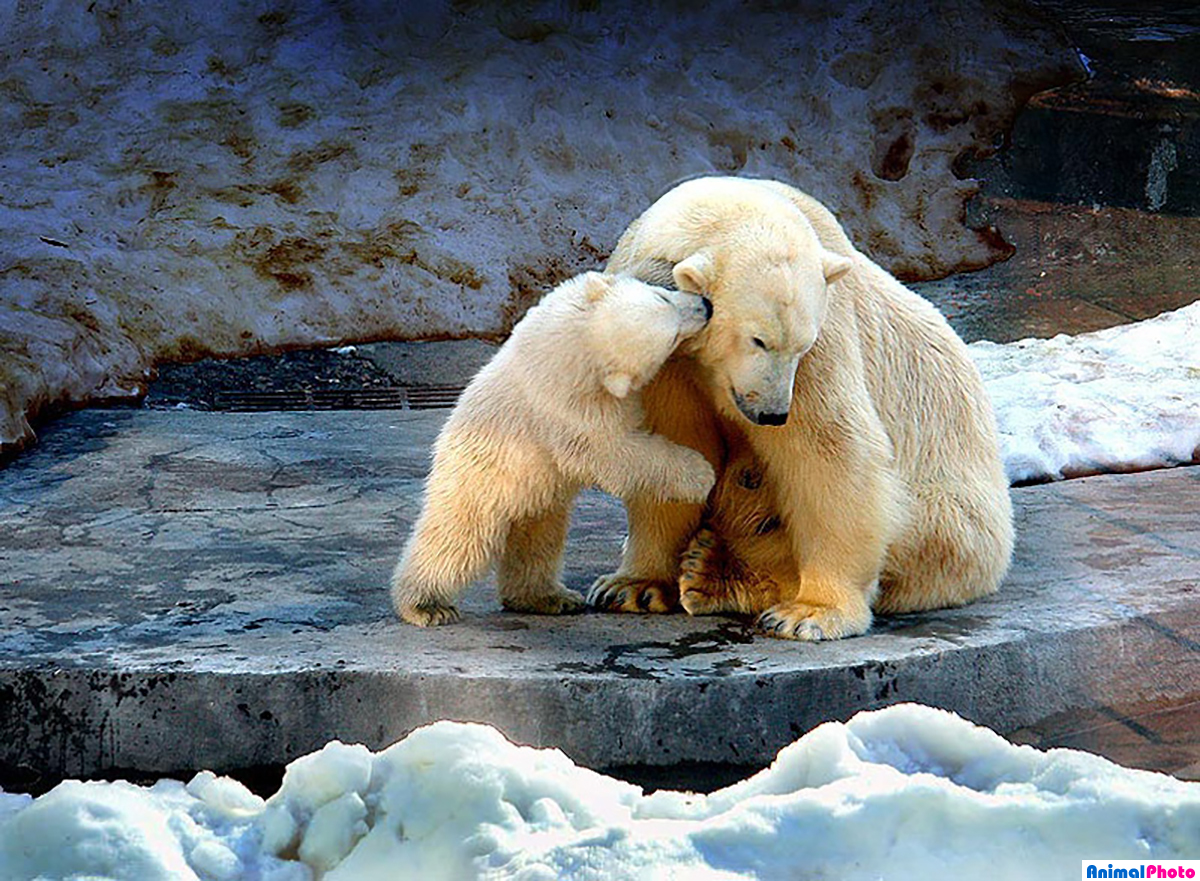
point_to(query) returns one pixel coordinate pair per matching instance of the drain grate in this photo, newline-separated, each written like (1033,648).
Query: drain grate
(384,398)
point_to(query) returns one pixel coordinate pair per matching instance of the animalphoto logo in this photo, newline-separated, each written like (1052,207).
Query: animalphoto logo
(1140,869)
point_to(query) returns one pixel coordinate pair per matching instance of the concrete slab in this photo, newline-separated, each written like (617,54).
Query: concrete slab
(182,590)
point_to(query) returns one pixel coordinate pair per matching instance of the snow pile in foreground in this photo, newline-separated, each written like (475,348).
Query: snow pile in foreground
(1122,399)
(904,792)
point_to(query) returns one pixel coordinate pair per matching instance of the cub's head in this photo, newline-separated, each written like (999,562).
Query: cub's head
(633,327)
(769,295)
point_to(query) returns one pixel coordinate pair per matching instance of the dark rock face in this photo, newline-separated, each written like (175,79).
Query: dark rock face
(1129,135)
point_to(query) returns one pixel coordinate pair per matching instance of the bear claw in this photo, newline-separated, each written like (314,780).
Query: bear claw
(693,596)
(560,602)
(429,614)
(809,623)
(775,623)
(618,593)
(703,587)
(696,602)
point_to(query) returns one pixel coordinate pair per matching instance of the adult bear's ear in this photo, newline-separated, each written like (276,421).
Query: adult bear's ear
(835,266)
(692,275)
(618,384)
(595,286)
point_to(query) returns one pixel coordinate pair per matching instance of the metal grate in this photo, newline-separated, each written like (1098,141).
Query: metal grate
(384,398)
(432,397)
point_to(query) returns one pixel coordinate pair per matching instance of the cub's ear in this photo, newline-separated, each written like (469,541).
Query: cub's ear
(618,384)
(693,274)
(595,286)
(835,266)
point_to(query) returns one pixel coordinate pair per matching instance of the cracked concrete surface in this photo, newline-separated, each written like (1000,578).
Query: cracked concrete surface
(186,590)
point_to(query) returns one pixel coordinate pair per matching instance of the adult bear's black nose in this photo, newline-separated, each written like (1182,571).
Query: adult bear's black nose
(707,308)
(772,418)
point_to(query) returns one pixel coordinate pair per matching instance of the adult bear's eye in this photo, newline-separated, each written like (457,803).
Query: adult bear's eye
(759,343)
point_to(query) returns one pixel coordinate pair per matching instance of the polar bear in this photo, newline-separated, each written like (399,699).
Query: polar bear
(856,447)
(557,408)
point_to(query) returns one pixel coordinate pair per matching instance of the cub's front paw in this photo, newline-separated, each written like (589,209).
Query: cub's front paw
(427,614)
(799,620)
(692,481)
(620,593)
(561,601)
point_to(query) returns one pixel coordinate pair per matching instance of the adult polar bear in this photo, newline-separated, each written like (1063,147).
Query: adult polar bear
(857,452)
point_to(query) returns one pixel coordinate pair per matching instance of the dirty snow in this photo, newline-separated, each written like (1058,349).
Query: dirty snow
(904,792)
(1122,399)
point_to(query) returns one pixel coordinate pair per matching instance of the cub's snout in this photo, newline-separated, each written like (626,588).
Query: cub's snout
(694,311)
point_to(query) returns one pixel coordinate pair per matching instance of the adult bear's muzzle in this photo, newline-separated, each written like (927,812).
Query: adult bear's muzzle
(757,416)
(772,418)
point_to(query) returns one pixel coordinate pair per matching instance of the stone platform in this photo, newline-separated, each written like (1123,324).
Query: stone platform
(184,590)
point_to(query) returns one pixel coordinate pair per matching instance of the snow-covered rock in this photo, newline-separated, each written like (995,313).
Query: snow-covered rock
(231,177)
(904,792)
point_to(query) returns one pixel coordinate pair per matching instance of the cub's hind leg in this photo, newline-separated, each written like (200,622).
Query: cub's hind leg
(455,540)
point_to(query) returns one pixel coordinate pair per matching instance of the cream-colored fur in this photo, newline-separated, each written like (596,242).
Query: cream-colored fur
(555,410)
(883,489)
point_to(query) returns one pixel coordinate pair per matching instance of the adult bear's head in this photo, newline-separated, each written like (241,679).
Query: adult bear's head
(767,276)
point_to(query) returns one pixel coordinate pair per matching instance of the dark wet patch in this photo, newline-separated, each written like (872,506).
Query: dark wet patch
(932,625)
(623,659)
(64,440)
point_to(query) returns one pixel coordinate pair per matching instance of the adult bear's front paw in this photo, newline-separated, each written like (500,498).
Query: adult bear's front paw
(621,593)
(803,621)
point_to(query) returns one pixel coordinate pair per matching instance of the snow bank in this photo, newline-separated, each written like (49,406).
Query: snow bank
(167,832)
(904,792)
(1122,399)
(228,177)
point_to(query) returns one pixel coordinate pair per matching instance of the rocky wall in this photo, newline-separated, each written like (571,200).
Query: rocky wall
(180,180)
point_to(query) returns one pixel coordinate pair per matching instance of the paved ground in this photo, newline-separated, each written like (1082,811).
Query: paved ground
(191,589)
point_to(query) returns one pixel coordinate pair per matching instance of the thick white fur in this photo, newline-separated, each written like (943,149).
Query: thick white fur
(883,489)
(555,410)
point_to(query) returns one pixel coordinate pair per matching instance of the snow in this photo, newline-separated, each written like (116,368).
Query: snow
(900,793)
(1122,399)
(167,832)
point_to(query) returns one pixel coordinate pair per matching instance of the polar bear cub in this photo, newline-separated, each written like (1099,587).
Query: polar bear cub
(556,409)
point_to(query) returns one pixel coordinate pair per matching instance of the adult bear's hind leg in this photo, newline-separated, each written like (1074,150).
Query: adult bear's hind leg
(956,548)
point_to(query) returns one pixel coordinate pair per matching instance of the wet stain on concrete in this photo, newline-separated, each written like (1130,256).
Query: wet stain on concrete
(639,660)
(943,626)
(881,676)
